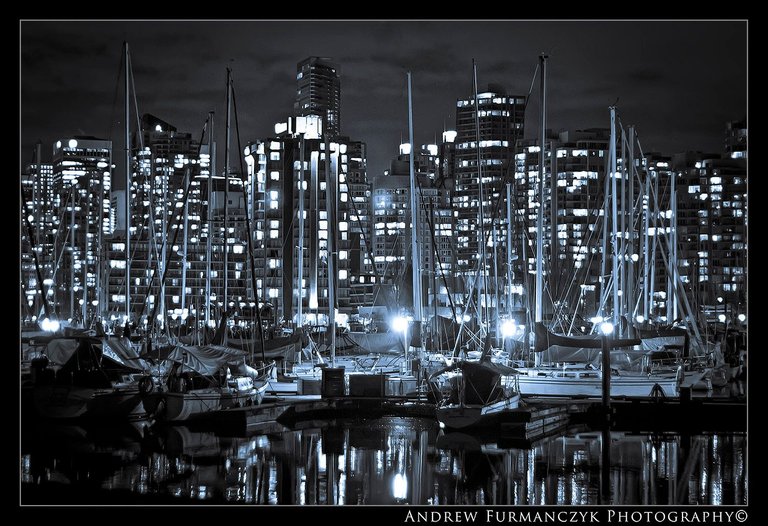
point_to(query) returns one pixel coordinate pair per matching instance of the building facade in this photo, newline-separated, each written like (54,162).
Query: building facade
(81,183)
(480,229)
(318,92)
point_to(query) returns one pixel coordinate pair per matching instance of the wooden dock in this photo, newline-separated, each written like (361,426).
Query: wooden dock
(537,418)
(698,415)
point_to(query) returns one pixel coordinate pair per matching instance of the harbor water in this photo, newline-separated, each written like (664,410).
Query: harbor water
(381,461)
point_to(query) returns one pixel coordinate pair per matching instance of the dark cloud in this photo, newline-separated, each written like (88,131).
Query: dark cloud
(679,82)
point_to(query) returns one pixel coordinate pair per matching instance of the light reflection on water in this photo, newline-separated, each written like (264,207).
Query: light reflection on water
(387,461)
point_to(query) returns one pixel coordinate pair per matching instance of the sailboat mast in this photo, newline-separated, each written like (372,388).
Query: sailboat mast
(84,256)
(100,260)
(184,251)
(226,196)
(300,280)
(604,245)
(72,256)
(509,249)
(482,297)
(416,260)
(614,223)
(210,226)
(646,258)
(672,270)
(330,187)
(164,247)
(127,189)
(36,195)
(652,287)
(630,286)
(623,306)
(539,312)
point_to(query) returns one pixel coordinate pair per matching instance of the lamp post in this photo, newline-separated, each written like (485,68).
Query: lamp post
(606,329)
(400,324)
(508,331)
(721,317)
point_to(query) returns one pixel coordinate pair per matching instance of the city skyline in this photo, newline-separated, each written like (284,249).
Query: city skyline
(678,82)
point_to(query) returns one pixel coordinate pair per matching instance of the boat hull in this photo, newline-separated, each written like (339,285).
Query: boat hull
(535,383)
(456,416)
(180,407)
(377,342)
(67,402)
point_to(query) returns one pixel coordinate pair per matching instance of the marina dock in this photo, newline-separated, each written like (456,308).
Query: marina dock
(537,417)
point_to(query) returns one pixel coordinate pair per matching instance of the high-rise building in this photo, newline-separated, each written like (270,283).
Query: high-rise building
(576,174)
(288,189)
(318,92)
(36,232)
(362,276)
(712,220)
(501,124)
(167,166)
(82,179)
(578,235)
(736,139)
(392,229)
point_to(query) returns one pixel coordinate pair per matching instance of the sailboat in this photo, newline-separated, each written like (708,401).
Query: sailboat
(85,377)
(572,369)
(203,379)
(576,365)
(477,397)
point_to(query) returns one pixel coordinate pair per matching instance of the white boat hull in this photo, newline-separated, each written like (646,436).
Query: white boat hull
(463,416)
(65,402)
(179,407)
(535,382)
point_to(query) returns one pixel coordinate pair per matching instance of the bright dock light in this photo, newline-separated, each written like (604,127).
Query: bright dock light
(606,328)
(400,324)
(49,325)
(508,328)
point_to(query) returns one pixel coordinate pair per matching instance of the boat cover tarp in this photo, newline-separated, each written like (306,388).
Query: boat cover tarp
(621,359)
(60,350)
(121,351)
(206,360)
(545,339)
(375,342)
(654,339)
(275,348)
(445,331)
(481,378)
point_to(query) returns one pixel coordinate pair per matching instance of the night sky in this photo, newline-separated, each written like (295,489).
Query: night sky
(678,82)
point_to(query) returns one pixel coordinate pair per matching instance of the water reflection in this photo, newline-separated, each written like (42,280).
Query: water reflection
(386,461)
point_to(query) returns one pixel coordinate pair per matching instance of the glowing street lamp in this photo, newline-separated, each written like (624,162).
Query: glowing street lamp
(49,325)
(509,328)
(606,329)
(400,324)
